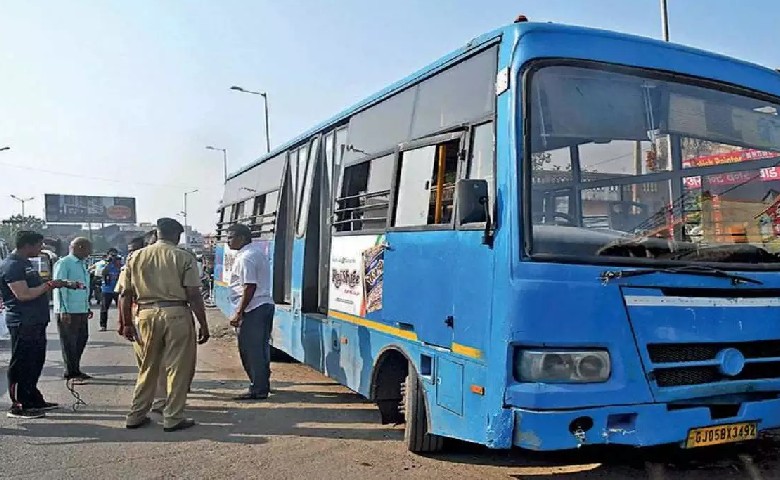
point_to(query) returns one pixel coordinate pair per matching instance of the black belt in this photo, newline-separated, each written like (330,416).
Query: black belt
(163,304)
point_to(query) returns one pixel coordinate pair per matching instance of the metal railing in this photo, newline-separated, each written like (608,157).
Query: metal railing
(354,216)
(260,224)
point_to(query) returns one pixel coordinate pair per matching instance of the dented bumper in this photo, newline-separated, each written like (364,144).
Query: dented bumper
(637,425)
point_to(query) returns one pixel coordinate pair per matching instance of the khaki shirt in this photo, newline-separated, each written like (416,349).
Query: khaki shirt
(159,273)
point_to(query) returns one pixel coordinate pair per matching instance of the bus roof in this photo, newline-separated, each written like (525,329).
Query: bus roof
(386,92)
(518,30)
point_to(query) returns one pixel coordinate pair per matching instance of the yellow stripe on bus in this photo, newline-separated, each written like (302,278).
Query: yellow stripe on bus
(381,327)
(466,351)
(406,334)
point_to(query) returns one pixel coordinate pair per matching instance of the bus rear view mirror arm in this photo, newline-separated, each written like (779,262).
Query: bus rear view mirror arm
(474,206)
(487,236)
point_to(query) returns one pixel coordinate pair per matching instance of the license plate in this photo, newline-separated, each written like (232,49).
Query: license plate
(736,432)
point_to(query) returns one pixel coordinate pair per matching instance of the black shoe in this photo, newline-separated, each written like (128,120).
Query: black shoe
(102,329)
(25,413)
(83,377)
(183,425)
(146,421)
(250,396)
(46,406)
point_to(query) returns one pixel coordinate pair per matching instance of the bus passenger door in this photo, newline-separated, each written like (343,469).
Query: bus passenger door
(421,257)
(474,261)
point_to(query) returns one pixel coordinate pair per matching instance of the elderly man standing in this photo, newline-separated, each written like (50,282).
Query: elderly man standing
(72,307)
(164,281)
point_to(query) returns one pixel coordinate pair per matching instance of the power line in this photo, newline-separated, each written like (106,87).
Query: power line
(103,179)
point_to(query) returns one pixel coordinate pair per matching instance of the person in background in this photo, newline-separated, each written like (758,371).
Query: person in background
(96,279)
(253,310)
(160,394)
(164,281)
(110,277)
(150,237)
(208,270)
(4,335)
(27,316)
(72,307)
(199,258)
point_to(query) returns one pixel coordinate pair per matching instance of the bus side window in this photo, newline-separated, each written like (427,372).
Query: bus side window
(237,214)
(365,195)
(221,224)
(426,185)
(481,158)
(263,219)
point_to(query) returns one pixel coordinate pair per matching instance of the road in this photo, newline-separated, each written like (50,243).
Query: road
(310,428)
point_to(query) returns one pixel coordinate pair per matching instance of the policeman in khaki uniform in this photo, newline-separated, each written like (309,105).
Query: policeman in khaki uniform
(162,382)
(164,281)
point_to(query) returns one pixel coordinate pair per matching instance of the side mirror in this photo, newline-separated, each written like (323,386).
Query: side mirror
(474,205)
(472,195)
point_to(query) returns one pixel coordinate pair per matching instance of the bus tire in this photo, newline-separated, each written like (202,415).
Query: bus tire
(416,436)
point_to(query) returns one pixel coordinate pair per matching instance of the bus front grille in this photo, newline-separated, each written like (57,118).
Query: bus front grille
(681,376)
(697,352)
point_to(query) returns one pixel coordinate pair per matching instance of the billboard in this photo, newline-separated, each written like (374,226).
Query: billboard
(89,209)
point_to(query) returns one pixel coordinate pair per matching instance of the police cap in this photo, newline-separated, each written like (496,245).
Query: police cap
(169,226)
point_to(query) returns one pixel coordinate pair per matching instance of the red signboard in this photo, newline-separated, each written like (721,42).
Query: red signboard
(729,157)
(769,174)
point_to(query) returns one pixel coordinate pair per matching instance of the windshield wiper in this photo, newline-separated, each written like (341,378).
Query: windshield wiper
(704,271)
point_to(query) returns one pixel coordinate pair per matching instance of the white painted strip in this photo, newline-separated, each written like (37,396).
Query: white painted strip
(651,301)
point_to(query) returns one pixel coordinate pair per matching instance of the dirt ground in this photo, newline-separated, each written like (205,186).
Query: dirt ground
(310,428)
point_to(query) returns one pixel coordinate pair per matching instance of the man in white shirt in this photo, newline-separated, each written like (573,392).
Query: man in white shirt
(253,310)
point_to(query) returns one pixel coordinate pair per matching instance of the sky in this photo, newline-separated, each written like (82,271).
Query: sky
(119,98)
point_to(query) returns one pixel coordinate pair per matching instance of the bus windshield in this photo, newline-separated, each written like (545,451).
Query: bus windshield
(631,166)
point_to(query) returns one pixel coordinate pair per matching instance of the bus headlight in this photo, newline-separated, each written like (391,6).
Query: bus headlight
(562,366)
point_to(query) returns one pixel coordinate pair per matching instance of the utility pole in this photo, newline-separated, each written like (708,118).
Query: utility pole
(665,20)
(184,214)
(22,201)
(224,158)
(265,103)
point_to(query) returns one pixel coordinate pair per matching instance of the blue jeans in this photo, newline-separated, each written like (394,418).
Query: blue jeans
(254,337)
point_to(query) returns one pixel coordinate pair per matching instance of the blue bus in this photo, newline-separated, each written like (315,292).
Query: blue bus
(552,237)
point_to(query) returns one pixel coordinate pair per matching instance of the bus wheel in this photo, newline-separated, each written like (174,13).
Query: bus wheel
(416,436)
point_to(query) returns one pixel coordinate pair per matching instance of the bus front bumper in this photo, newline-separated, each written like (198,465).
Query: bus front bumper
(637,425)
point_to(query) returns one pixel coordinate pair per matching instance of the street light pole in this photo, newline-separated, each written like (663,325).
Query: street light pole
(186,235)
(265,104)
(665,20)
(224,158)
(267,133)
(22,201)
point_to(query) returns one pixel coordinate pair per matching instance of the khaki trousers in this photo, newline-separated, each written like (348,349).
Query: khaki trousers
(167,345)
(160,393)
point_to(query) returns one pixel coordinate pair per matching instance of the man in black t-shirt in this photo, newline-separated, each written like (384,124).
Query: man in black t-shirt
(25,297)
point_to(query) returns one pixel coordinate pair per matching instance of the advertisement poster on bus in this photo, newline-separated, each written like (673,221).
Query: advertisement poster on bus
(357,274)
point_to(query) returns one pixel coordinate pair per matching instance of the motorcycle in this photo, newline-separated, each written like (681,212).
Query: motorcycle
(96,291)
